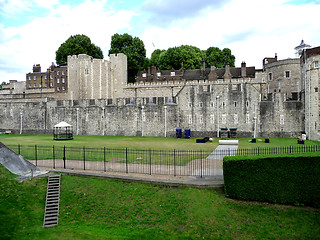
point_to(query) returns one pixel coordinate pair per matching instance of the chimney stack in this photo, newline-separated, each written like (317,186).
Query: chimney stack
(203,64)
(213,74)
(36,68)
(227,73)
(243,69)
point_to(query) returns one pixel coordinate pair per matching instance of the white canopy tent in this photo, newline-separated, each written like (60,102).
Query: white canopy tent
(63,131)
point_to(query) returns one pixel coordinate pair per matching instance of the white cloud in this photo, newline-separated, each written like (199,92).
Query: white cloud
(12,7)
(48,4)
(37,41)
(251,29)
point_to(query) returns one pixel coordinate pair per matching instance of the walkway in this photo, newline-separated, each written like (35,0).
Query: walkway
(216,157)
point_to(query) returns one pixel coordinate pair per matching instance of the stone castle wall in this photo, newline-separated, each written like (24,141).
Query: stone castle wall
(100,102)
(196,108)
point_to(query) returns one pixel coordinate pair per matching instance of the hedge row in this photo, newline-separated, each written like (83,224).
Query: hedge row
(284,179)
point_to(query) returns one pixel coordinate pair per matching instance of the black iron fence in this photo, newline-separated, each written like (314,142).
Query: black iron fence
(159,162)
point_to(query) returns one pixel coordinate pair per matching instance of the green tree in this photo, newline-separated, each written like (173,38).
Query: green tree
(77,44)
(219,57)
(172,58)
(133,48)
(154,60)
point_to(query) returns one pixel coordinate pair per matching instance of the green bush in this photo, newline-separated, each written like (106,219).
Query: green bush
(285,179)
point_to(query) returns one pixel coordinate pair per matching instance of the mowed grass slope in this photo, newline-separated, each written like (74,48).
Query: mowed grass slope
(132,142)
(95,208)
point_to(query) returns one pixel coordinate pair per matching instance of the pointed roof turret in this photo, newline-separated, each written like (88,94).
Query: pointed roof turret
(299,49)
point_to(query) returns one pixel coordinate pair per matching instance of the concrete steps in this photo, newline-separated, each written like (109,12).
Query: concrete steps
(52,201)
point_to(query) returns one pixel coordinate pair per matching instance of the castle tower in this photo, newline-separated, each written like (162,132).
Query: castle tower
(310,59)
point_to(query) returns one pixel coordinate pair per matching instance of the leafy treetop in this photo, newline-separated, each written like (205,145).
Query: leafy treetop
(191,57)
(77,44)
(133,48)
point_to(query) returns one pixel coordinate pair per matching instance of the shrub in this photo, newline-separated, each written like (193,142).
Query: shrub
(285,179)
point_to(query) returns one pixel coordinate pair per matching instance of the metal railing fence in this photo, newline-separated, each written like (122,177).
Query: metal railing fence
(159,162)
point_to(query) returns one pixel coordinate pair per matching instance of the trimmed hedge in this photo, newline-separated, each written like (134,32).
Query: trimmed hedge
(285,179)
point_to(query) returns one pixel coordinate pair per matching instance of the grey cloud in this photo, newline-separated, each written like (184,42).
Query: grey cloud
(165,11)
(239,36)
(8,66)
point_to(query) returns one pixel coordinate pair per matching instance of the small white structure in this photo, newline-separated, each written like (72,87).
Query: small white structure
(63,131)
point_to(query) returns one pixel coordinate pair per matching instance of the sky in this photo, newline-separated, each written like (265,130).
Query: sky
(31,31)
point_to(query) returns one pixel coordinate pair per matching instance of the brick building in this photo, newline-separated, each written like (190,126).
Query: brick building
(56,78)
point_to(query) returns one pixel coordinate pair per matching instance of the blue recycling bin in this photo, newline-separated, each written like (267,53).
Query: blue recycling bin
(178,132)
(187,133)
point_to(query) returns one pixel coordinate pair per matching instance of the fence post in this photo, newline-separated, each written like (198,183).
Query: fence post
(64,156)
(19,149)
(54,157)
(36,155)
(84,158)
(174,162)
(104,158)
(126,160)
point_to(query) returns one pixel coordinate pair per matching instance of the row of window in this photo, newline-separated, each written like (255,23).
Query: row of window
(62,80)
(35,77)
(62,88)
(40,85)
(45,77)
(172,74)
(58,72)
(286,75)
(224,119)
(212,104)
(46,85)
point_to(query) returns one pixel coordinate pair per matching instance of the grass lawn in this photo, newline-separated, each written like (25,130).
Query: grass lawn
(94,141)
(156,143)
(95,208)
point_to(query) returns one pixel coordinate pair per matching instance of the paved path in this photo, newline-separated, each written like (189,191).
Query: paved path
(196,168)
(217,156)
(223,150)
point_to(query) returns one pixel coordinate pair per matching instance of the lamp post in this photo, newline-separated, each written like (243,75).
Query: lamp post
(103,120)
(218,118)
(255,122)
(142,120)
(165,121)
(77,125)
(21,122)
